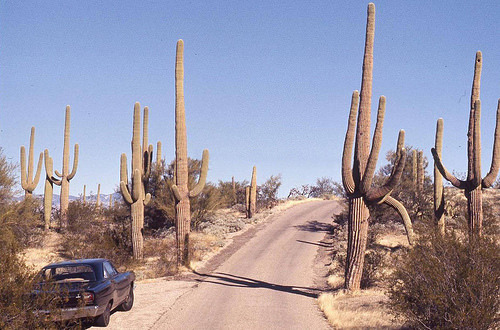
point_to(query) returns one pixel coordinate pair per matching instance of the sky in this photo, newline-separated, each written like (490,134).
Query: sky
(267,83)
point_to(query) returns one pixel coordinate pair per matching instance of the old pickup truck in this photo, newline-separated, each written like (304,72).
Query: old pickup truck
(90,289)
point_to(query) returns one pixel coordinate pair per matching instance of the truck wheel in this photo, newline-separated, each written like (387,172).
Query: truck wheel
(129,301)
(103,319)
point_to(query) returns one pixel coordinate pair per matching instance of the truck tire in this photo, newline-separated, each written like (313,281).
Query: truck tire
(103,319)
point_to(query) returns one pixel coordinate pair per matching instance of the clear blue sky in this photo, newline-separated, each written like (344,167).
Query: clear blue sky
(266,83)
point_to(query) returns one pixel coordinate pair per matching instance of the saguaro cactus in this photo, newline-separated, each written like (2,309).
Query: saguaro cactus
(135,194)
(247,201)
(28,183)
(252,203)
(438,181)
(48,190)
(158,153)
(357,180)
(84,197)
(98,200)
(181,190)
(474,183)
(420,171)
(65,176)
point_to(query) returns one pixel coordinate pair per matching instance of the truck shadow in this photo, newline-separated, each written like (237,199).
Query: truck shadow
(245,282)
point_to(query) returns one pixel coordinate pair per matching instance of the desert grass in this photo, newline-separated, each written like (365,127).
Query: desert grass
(360,310)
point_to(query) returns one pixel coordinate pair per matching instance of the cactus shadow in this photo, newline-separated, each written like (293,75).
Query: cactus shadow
(315,226)
(246,282)
(320,244)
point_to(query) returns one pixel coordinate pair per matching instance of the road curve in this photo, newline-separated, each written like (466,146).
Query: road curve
(268,283)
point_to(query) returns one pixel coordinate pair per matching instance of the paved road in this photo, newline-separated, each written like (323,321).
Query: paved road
(268,283)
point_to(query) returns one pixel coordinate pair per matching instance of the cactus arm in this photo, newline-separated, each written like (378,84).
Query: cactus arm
(125,193)
(347,178)
(375,150)
(75,163)
(145,129)
(24,179)
(38,170)
(444,172)
(148,159)
(147,199)
(176,192)
(377,194)
(49,166)
(30,186)
(438,181)
(158,153)
(495,160)
(57,173)
(395,204)
(203,175)
(123,169)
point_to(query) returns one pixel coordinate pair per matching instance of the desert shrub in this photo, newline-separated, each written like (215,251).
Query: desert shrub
(267,193)
(446,283)
(324,187)
(299,192)
(417,203)
(160,213)
(227,195)
(19,228)
(92,233)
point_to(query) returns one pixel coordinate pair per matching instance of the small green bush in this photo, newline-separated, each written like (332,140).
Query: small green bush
(447,283)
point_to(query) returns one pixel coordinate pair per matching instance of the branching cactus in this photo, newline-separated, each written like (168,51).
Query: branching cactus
(28,183)
(181,190)
(357,180)
(474,183)
(438,181)
(135,193)
(64,177)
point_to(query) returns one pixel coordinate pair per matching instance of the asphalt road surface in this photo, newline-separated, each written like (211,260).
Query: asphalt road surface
(267,283)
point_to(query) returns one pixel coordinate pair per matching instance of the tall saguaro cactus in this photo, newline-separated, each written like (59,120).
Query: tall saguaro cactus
(28,183)
(357,180)
(48,189)
(252,198)
(98,200)
(84,197)
(135,194)
(65,176)
(181,190)
(438,181)
(474,183)
(420,171)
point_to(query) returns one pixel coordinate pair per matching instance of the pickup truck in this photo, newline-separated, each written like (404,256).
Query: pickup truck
(89,288)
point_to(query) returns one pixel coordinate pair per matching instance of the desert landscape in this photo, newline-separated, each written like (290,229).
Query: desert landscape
(274,219)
